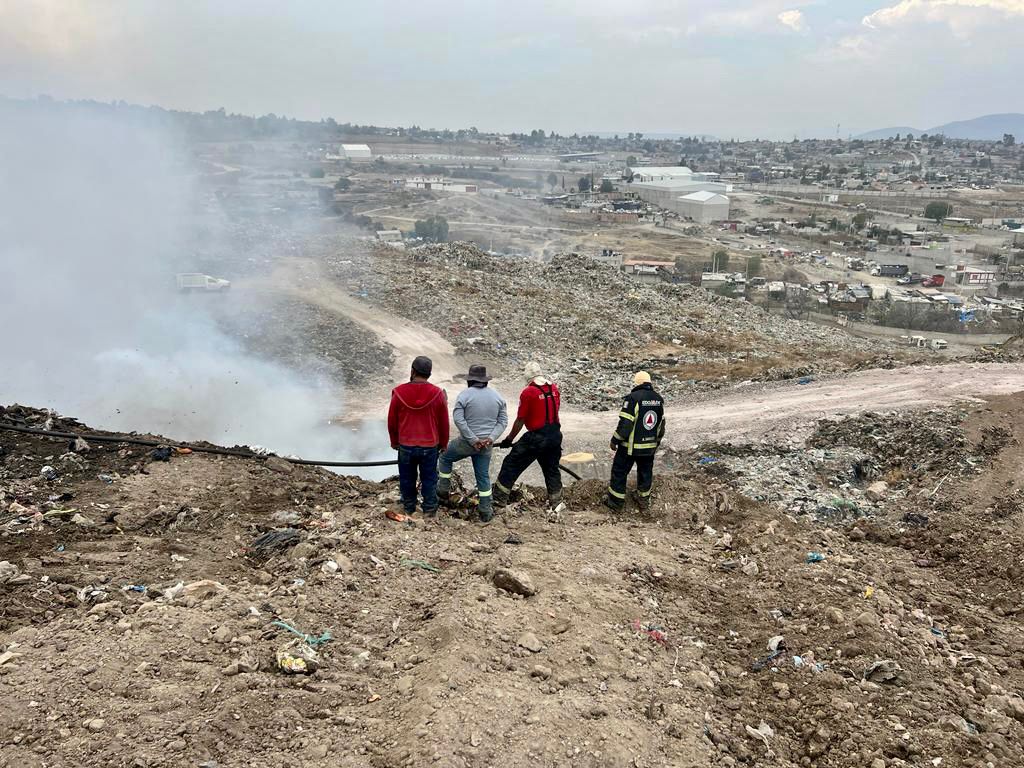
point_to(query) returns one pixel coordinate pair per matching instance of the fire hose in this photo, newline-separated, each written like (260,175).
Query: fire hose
(131,440)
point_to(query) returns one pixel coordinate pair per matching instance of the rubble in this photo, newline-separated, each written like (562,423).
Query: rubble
(591,326)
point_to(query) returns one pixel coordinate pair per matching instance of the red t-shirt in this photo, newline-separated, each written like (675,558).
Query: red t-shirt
(532,405)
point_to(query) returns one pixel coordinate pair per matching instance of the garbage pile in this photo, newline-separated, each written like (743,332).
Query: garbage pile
(304,338)
(852,467)
(591,325)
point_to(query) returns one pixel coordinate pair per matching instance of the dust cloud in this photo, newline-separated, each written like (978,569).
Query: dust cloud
(96,215)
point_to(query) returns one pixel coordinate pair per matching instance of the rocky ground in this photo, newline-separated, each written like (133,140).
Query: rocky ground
(148,619)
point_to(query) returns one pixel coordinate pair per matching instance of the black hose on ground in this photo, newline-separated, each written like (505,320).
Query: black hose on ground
(201,448)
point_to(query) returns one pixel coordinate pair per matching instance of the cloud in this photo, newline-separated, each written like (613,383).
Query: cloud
(960,15)
(794,19)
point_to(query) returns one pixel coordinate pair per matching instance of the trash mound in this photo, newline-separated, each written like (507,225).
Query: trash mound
(591,325)
(227,611)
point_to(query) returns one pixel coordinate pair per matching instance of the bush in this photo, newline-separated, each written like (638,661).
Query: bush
(317,173)
(433,229)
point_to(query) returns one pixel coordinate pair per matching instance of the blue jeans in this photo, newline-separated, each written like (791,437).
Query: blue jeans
(413,461)
(459,449)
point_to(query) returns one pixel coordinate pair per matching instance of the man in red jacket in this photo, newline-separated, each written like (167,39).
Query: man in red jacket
(418,425)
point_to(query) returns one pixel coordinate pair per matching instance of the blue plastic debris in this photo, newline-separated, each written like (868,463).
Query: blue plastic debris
(805,380)
(706,460)
(134,588)
(815,557)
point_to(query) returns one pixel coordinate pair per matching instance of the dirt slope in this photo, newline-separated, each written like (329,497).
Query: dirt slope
(650,635)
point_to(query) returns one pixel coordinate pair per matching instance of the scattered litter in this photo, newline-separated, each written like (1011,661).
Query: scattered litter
(513,538)
(272,542)
(776,643)
(7,656)
(398,517)
(654,632)
(420,564)
(161,453)
(760,664)
(885,671)
(868,592)
(134,588)
(313,640)
(377,562)
(108,479)
(49,473)
(805,380)
(762,733)
(815,557)
(297,658)
(706,460)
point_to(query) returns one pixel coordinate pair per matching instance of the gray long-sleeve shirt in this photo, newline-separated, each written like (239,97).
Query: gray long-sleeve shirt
(480,413)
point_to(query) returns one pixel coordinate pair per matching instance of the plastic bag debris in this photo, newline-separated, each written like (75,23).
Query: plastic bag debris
(297,658)
(815,557)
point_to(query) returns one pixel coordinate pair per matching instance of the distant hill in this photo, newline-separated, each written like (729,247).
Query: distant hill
(987,127)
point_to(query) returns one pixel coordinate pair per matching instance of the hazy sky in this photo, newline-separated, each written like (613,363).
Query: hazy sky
(758,68)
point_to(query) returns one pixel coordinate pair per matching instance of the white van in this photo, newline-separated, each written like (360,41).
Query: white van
(194,281)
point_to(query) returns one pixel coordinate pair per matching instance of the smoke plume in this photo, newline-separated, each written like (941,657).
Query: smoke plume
(96,215)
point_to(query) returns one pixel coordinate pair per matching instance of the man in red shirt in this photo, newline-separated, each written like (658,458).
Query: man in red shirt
(538,412)
(418,425)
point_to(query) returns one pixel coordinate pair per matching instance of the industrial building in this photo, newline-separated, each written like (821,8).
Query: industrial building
(356,152)
(439,184)
(673,188)
(703,207)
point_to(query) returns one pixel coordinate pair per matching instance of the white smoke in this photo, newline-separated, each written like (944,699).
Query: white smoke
(94,217)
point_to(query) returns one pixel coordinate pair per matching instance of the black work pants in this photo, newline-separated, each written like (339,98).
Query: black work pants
(543,446)
(621,465)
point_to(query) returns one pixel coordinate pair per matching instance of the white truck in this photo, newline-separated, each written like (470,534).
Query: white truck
(194,281)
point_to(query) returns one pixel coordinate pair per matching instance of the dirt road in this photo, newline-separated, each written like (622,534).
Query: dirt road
(746,413)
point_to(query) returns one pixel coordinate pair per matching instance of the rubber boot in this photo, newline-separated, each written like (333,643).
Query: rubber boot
(499,496)
(486,509)
(615,505)
(643,503)
(444,490)
(554,499)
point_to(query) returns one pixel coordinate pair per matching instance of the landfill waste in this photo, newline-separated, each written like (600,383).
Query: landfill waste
(655,632)
(161,453)
(885,671)
(141,588)
(49,473)
(314,640)
(487,306)
(815,557)
(766,661)
(398,517)
(297,658)
(273,542)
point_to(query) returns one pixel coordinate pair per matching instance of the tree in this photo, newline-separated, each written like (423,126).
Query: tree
(552,179)
(433,229)
(860,220)
(754,266)
(317,173)
(720,261)
(937,211)
(607,186)
(631,161)
(583,185)
(342,184)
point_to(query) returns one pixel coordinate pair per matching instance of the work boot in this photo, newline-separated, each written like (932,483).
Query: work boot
(615,505)
(554,499)
(499,497)
(444,490)
(485,507)
(643,502)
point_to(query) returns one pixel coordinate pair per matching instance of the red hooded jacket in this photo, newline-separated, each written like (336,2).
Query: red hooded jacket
(418,415)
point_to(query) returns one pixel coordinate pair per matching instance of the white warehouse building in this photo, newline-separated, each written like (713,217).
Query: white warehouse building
(703,207)
(356,152)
